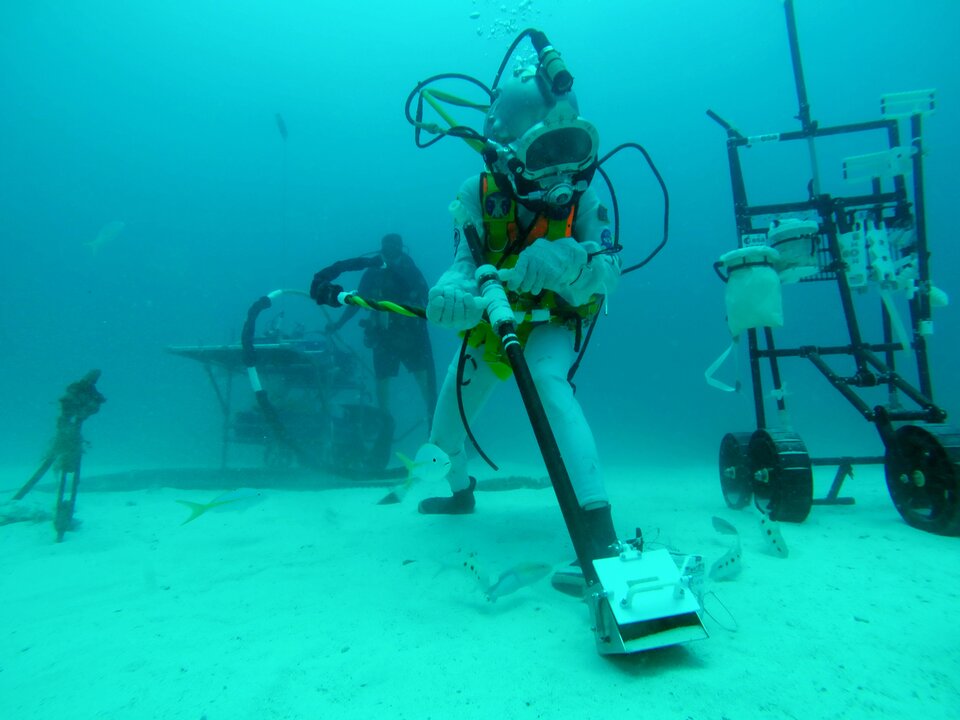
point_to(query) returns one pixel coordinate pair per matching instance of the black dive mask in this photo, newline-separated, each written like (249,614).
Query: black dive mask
(558,191)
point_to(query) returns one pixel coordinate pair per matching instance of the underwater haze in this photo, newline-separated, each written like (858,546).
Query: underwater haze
(148,197)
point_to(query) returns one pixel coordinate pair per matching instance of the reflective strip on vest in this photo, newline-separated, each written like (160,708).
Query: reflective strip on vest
(501,231)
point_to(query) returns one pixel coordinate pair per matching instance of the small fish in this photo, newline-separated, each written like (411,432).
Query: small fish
(238,500)
(511,580)
(519,576)
(430,463)
(728,565)
(108,233)
(281,126)
(772,537)
(723,527)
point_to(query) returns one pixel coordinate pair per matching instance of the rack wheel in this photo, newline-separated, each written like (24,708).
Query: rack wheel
(783,476)
(922,476)
(736,470)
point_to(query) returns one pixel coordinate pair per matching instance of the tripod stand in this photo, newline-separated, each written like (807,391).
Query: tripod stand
(81,400)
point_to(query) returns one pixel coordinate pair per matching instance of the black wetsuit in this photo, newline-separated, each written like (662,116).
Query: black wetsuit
(393,338)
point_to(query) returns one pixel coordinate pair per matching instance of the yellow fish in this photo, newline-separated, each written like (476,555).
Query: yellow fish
(430,463)
(238,500)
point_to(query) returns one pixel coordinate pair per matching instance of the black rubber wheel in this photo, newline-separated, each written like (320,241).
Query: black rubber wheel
(783,476)
(922,477)
(736,470)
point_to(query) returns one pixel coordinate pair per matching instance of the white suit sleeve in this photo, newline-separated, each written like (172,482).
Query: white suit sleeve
(463,270)
(453,300)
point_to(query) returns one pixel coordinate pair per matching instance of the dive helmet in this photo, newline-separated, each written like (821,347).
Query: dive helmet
(539,142)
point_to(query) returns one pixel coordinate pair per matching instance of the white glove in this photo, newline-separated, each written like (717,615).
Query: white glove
(547,264)
(450,305)
(600,275)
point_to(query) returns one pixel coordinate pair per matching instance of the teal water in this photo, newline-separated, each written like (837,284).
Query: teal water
(163,117)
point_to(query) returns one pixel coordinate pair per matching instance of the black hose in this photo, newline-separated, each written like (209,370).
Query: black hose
(461,365)
(248,353)
(461,131)
(249,328)
(616,214)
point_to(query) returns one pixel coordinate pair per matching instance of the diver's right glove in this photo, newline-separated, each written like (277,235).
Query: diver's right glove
(325,293)
(450,305)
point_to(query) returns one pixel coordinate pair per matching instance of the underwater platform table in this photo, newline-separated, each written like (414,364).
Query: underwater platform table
(293,358)
(311,370)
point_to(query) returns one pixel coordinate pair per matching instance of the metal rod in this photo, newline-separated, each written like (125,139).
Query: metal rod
(889,354)
(814,131)
(835,223)
(225,450)
(929,416)
(775,370)
(897,381)
(224,404)
(899,183)
(841,385)
(830,350)
(870,460)
(803,115)
(757,379)
(839,203)
(920,305)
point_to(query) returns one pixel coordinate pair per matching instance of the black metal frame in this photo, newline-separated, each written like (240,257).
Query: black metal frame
(875,363)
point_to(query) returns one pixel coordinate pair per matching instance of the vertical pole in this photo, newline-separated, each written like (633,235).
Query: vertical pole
(756,378)
(775,371)
(920,305)
(836,223)
(809,127)
(226,423)
(889,356)
(224,402)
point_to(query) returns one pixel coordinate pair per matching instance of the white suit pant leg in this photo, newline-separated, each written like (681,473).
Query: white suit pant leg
(549,353)
(447,431)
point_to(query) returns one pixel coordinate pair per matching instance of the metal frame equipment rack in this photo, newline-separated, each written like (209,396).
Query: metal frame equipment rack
(877,239)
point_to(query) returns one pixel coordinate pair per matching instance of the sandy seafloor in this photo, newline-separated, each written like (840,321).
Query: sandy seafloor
(308,605)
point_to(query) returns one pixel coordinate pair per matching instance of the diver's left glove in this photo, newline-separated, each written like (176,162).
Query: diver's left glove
(451,305)
(600,276)
(546,265)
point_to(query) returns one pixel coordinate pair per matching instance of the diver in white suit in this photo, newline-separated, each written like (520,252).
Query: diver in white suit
(546,231)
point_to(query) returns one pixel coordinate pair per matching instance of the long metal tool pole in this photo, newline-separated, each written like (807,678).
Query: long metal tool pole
(809,127)
(492,290)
